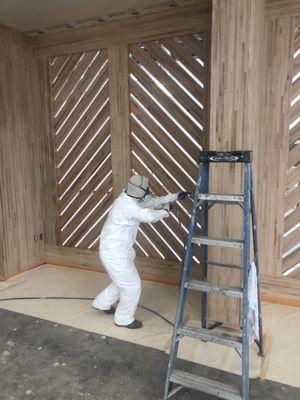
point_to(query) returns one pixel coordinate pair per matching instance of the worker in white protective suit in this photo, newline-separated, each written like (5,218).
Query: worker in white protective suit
(117,238)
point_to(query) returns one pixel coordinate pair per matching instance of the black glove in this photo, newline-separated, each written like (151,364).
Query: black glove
(183,195)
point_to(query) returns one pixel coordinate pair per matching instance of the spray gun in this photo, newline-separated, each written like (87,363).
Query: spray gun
(181,195)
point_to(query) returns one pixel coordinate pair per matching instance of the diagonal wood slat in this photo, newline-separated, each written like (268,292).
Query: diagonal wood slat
(152,253)
(77,113)
(81,128)
(171,65)
(97,110)
(291,241)
(95,73)
(87,224)
(293,177)
(292,198)
(294,134)
(80,173)
(87,208)
(166,122)
(147,61)
(164,100)
(95,231)
(65,72)
(56,67)
(165,139)
(80,142)
(85,185)
(292,219)
(294,155)
(82,195)
(180,53)
(73,82)
(159,135)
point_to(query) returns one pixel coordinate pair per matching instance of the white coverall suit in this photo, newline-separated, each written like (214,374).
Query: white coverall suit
(117,254)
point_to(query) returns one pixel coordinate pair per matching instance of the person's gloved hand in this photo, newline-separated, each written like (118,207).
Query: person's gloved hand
(183,195)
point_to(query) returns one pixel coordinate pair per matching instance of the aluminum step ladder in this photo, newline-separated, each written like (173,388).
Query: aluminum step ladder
(205,200)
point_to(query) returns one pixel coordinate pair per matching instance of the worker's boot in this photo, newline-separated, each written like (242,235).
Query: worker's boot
(134,325)
(111,311)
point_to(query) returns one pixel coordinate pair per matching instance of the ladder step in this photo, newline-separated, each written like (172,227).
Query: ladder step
(216,264)
(213,287)
(205,385)
(233,243)
(211,336)
(222,198)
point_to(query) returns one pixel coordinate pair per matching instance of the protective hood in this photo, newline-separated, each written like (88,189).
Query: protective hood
(137,187)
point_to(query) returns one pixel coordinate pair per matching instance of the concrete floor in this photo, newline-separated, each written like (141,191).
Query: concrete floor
(42,360)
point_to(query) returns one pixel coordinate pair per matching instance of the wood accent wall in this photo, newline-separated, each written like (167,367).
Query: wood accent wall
(236,64)
(274,141)
(176,23)
(23,179)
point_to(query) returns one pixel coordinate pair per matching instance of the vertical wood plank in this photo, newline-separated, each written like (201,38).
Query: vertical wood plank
(119,116)
(21,130)
(273,142)
(49,192)
(236,63)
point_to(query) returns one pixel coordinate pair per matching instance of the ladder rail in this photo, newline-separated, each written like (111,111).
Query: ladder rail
(185,275)
(202,200)
(246,266)
(204,247)
(256,260)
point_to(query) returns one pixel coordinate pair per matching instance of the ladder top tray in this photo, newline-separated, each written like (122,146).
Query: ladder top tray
(226,156)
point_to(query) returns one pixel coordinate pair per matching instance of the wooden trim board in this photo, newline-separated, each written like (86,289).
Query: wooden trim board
(274,290)
(162,271)
(284,291)
(191,19)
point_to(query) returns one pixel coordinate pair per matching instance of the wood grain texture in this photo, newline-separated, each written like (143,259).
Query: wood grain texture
(119,116)
(22,150)
(282,8)
(236,64)
(185,20)
(282,291)
(291,238)
(168,121)
(153,269)
(274,141)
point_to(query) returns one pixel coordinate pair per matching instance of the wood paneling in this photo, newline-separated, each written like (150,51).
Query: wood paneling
(164,271)
(282,8)
(283,291)
(291,239)
(185,20)
(22,146)
(81,133)
(236,64)
(119,116)
(169,128)
(273,142)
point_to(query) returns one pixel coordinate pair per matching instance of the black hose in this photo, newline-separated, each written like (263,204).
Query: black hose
(78,298)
